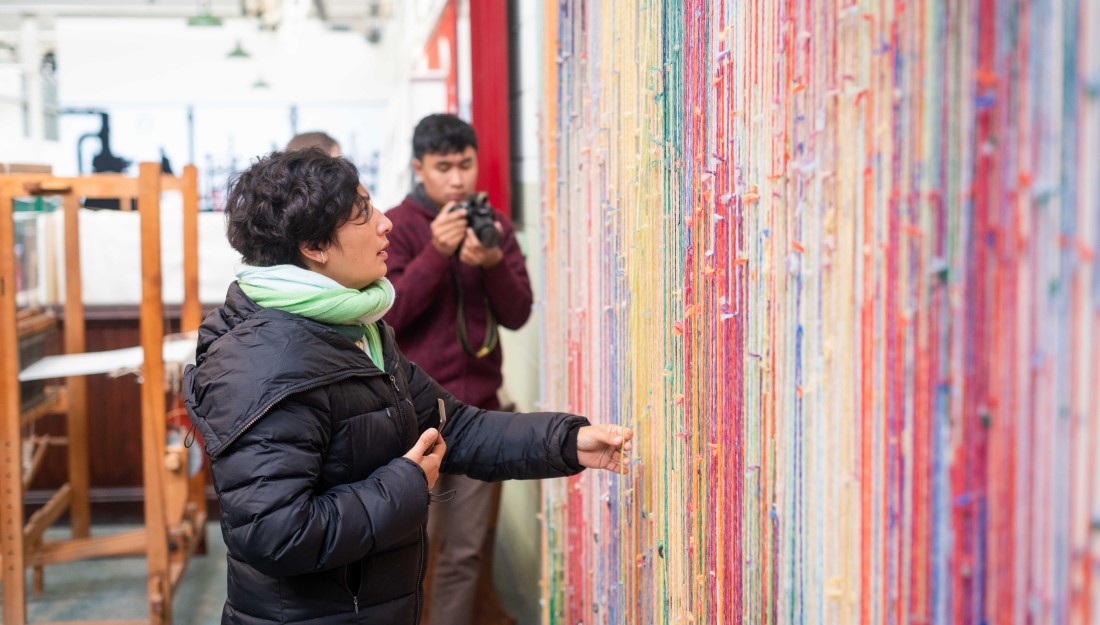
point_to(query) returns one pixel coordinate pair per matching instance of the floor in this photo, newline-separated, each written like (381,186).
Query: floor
(114,588)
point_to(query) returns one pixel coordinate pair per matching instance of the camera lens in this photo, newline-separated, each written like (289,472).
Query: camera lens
(488,235)
(481,219)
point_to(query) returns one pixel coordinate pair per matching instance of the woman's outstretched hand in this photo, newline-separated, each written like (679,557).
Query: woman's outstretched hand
(604,446)
(428,453)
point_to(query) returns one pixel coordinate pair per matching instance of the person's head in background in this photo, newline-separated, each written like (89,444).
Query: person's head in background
(445,158)
(306,208)
(306,140)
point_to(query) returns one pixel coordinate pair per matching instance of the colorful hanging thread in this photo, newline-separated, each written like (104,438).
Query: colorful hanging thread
(836,264)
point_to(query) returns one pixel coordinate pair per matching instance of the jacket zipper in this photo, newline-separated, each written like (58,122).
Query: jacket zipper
(397,402)
(347,586)
(421,553)
(280,398)
(420,576)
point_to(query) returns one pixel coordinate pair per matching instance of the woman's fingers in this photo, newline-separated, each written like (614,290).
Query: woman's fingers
(423,445)
(428,453)
(619,435)
(438,449)
(605,446)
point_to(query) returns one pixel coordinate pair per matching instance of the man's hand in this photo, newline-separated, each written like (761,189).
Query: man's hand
(448,229)
(475,254)
(428,453)
(604,446)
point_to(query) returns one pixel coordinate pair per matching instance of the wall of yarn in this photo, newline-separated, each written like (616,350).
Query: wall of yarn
(836,264)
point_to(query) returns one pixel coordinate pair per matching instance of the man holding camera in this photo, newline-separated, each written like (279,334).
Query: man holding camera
(458,273)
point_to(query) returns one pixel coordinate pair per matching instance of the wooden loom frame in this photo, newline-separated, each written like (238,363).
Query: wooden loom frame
(174,503)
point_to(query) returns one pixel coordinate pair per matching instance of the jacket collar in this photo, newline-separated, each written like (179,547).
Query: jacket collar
(239,309)
(250,358)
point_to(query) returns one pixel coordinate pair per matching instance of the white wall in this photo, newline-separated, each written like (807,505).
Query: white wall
(23,135)
(167,61)
(171,87)
(416,98)
(516,558)
(151,73)
(521,348)
(419,93)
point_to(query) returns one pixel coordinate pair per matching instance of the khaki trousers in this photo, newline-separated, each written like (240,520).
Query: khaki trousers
(457,530)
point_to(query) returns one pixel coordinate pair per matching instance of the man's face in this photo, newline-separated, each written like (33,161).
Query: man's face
(448,177)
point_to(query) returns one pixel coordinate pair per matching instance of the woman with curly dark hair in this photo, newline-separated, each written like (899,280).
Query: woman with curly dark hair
(323,438)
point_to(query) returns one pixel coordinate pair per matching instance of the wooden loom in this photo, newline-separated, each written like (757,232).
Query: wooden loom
(174,503)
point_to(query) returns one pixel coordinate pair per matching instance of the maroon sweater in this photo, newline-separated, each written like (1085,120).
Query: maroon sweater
(424,315)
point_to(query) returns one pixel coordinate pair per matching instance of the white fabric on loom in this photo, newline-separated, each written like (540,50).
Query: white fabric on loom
(110,255)
(179,349)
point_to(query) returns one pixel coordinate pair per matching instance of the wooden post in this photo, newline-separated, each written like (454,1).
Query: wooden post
(191,316)
(152,396)
(11,468)
(76,387)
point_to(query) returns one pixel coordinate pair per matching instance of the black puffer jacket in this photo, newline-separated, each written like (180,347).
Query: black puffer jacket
(323,517)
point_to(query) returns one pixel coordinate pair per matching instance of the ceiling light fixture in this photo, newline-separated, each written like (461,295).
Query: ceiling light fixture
(238,52)
(204,16)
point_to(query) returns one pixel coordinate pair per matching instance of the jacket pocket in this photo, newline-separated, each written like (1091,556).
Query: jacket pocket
(374,439)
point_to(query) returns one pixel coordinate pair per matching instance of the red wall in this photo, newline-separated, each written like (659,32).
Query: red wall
(489,102)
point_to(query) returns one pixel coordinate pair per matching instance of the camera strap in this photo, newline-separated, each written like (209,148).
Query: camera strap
(491,334)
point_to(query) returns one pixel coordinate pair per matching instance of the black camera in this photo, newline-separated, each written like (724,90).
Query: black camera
(481,218)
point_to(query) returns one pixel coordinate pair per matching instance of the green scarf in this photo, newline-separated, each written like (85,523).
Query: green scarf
(314,296)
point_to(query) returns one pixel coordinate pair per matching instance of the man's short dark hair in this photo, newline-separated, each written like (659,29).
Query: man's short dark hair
(288,198)
(442,133)
(307,140)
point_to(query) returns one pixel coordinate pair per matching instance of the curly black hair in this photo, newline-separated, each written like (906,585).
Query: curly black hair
(286,199)
(444,134)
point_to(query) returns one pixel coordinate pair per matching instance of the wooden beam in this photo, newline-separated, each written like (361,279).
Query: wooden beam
(15,184)
(169,182)
(97,186)
(196,496)
(11,470)
(45,516)
(104,186)
(96,623)
(152,396)
(176,484)
(41,446)
(192,308)
(107,185)
(80,514)
(54,403)
(130,543)
(31,322)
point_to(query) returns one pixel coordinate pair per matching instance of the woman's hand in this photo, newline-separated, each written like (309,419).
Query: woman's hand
(428,453)
(604,446)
